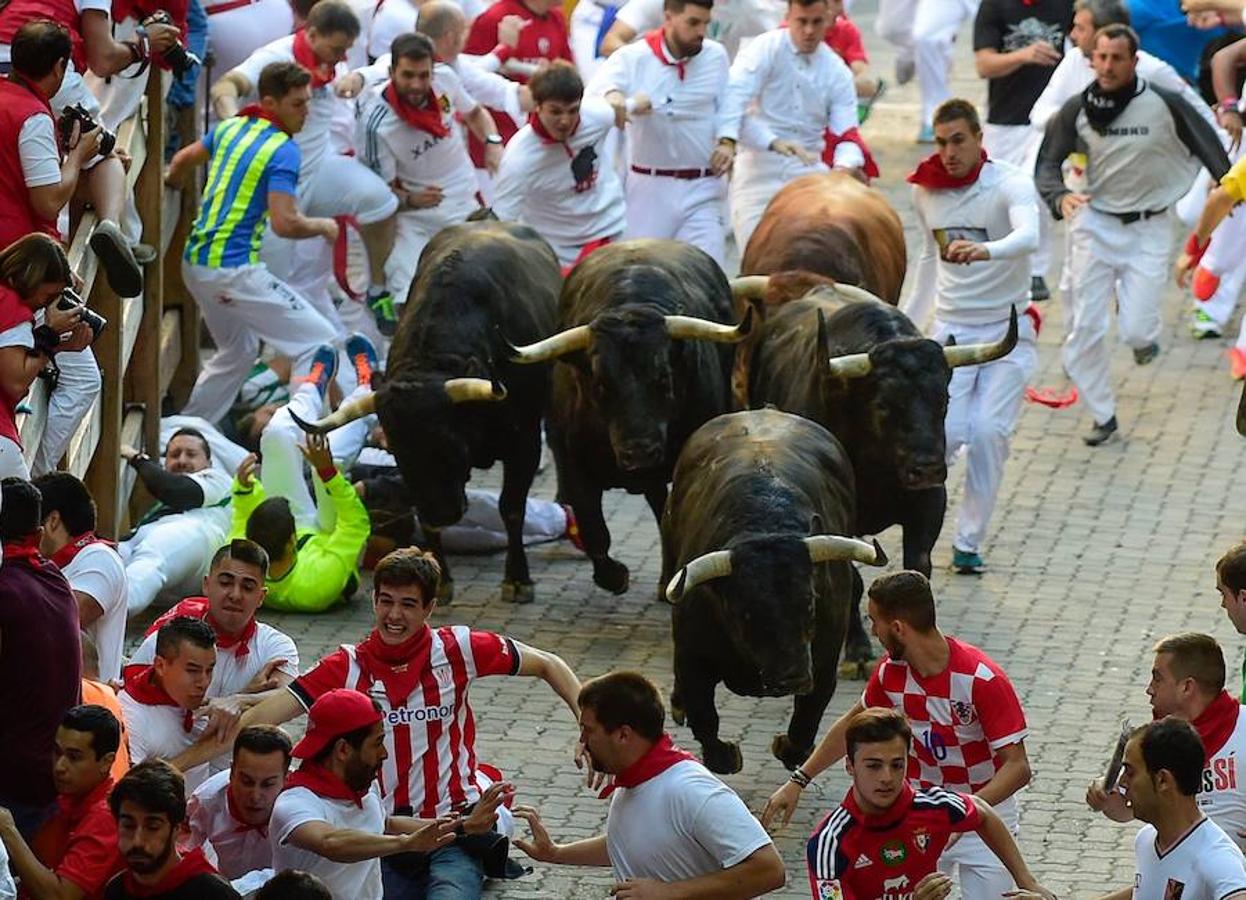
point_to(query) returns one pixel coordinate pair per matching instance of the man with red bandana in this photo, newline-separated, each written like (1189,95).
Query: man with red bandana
(1187,681)
(420,676)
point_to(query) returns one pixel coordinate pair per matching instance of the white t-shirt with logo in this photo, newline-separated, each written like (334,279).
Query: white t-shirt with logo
(298,806)
(1203,865)
(234,847)
(97,570)
(1222,793)
(680,824)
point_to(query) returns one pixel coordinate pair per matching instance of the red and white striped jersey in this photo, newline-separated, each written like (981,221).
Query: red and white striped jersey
(430,734)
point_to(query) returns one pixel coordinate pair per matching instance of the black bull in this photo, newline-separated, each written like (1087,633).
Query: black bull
(761,594)
(859,367)
(450,401)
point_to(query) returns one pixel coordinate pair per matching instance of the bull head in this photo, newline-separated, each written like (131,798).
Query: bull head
(858,365)
(678,328)
(822,548)
(458,390)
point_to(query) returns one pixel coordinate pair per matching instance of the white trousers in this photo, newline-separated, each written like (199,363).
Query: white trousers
(1112,258)
(1018,145)
(758,176)
(685,210)
(413,230)
(481,530)
(978,871)
(935,24)
(237,33)
(984,403)
(77,388)
(241,307)
(12,462)
(894,24)
(171,553)
(281,471)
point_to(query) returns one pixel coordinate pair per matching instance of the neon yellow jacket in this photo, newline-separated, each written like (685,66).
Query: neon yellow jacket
(326,560)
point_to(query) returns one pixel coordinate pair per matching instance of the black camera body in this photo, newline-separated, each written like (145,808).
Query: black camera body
(86,122)
(94,321)
(180,59)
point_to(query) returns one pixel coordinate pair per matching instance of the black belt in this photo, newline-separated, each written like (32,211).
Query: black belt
(1128,218)
(684,174)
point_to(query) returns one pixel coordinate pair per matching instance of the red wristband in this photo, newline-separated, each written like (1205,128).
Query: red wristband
(502,52)
(1194,249)
(326,474)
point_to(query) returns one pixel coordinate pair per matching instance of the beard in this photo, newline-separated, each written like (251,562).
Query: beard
(359,775)
(682,50)
(143,863)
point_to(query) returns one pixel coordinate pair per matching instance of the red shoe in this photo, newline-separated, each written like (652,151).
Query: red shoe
(1237,363)
(573,528)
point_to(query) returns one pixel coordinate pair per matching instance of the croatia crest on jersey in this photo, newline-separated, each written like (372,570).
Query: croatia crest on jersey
(963,712)
(829,889)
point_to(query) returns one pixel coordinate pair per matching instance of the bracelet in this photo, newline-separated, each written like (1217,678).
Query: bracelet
(1228,104)
(1195,250)
(800,778)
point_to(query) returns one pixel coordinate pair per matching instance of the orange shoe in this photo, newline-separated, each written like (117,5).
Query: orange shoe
(1237,363)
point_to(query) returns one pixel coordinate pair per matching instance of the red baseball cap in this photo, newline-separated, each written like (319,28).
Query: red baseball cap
(335,713)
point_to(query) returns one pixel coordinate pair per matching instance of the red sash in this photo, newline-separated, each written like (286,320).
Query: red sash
(931,173)
(546,138)
(66,554)
(26,551)
(140,684)
(851,136)
(323,783)
(255,111)
(399,667)
(1217,722)
(426,117)
(660,757)
(198,608)
(305,56)
(655,41)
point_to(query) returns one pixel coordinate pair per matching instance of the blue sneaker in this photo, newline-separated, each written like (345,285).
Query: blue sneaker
(926,135)
(362,354)
(966,563)
(323,369)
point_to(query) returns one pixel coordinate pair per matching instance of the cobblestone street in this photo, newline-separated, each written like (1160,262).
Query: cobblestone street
(1093,555)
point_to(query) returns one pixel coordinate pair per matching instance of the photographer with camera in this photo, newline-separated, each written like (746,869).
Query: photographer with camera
(34,272)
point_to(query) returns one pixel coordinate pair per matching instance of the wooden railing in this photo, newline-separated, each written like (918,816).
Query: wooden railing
(150,345)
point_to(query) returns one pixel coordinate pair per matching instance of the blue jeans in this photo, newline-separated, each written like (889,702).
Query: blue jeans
(446,874)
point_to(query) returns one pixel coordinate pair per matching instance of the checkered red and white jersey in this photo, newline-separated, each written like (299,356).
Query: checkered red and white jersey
(959,717)
(431,736)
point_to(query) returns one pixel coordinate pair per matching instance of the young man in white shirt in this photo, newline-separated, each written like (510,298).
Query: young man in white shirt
(676,78)
(552,175)
(1180,852)
(89,563)
(979,224)
(408,136)
(228,814)
(787,90)
(671,822)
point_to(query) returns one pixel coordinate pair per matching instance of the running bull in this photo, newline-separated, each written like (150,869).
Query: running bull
(642,364)
(445,405)
(761,591)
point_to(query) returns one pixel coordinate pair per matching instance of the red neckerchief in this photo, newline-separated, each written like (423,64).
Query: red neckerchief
(323,783)
(535,121)
(66,554)
(931,173)
(888,817)
(851,136)
(657,759)
(192,864)
(198,608)
(240,824)
(51,840)
(657,43)
(305,56)
(398,667)
(141,685)
(26,550)
(255,111)
(74,808)
(426,117)
(1216,723)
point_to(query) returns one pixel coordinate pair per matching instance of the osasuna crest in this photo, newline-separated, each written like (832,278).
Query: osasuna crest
(964,712)
(542,44)
(921,840)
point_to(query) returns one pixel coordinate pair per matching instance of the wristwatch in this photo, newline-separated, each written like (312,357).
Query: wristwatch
(494,140)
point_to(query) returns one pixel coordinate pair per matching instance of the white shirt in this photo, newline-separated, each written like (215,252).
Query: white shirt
(298,806)
(97,570)
(791,96)
(680,131)
(233,672)
(535,184)
(731,20)
(1222,795)
(1202,865)
(314,140)
(393,149)
(680,824)
(1000,211)
(36,146)
(158,732)
(235,848)
(393,17)
(480,79)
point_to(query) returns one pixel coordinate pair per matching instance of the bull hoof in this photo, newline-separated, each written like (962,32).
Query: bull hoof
(722,758)
(854,670)
(678,713)
(445,591)
(784,752)
(611,575)
(518,592)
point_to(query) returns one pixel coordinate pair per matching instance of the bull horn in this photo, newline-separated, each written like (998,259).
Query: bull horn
(347,412)
(830,548)
(749,287)
(974,354)
(464,390)
(688,328)
(853,365)
(554,346)
(1241,412)
(852,292)
(702,569)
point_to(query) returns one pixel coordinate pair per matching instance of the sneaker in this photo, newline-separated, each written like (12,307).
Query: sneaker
(123,271)
(967,563)
(323,369)
(1039,290)
(381,305)
(362,354)
(1203,326)
(1237,363)
(926,135)
(572,532)
(144,254)
(905,70)
(1101,434)
(1144,355)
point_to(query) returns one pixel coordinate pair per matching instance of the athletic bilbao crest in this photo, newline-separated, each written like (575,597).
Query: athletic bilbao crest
(584,169)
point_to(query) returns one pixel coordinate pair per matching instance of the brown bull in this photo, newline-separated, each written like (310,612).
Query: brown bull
(832,225)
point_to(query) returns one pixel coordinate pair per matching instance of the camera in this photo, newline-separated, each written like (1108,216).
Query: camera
(94,321)
(86,122)
(179,59)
